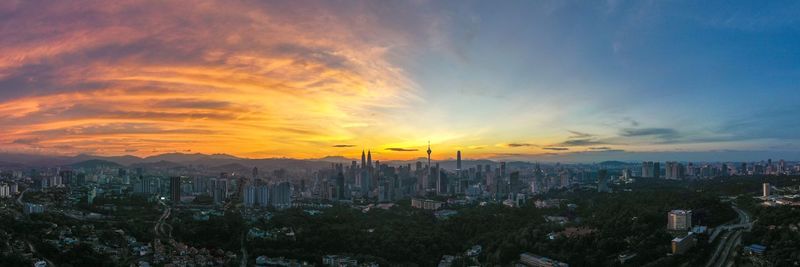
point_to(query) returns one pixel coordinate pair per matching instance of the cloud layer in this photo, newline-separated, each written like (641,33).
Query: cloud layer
(243,78)
(314,78)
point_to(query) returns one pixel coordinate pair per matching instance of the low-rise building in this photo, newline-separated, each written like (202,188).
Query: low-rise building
(426,204)
(31,208)
(755,249)
(338,261)
(533,260)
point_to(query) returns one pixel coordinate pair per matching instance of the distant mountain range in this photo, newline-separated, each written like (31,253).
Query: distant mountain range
(211,163)
(229,163)
(214,162)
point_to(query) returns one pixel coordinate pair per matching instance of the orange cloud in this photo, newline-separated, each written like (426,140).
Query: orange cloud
(136,77)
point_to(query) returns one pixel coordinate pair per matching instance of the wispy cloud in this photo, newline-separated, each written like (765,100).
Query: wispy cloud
(399,149)
(664,133)
(580,142)
(581,135)
(556,148)
(519,145)
(344,145)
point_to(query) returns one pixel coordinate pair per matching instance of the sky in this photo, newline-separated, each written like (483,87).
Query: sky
(568,80)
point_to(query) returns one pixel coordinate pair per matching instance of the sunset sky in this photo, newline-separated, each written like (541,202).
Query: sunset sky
(309,79)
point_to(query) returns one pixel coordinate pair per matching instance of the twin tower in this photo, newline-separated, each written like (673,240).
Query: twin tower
(366,159)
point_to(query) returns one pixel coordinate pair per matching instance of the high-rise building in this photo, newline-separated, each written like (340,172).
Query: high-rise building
(682,244)
(340,188)
(91,194)
(5,191)
(651,169)
(175,189)
(281,195)
(765,189)
(218,189)
(536,186)
(441,182)
(369,160)
(363,159)
(262,194)
(250,196)
(674,170)
(602,181)
(503,170)
(362,182)
(458,160)
(13,188)
(679,220)
(627,174)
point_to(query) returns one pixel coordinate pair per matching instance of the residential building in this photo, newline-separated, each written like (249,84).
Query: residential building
(679,220)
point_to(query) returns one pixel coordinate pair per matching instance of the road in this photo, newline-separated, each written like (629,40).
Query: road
(158,229)
(244,252)
(19,199)
(722,253)
(33,250)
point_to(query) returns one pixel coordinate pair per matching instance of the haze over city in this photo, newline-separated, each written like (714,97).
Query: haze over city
(550,81)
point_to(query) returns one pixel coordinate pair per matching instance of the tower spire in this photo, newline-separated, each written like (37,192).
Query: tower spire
(363,159)
(430,168)
(429,154)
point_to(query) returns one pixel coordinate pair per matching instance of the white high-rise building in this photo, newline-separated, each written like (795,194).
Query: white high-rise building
(5,190)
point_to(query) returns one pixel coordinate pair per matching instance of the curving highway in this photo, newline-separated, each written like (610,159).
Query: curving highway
(731,238)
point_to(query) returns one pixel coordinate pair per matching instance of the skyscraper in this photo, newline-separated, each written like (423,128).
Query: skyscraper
(369,159)
(503,170)
(441,183)
(458,160)
(175,189)
(363,160)
(340,185)
(765,189)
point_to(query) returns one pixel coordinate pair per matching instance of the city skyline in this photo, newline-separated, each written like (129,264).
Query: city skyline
(548,81)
